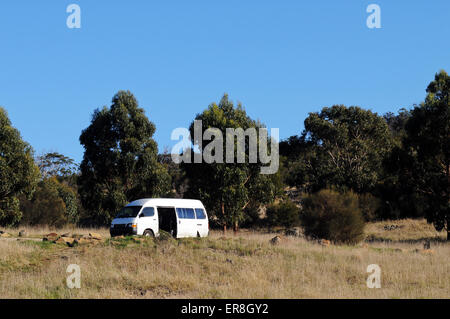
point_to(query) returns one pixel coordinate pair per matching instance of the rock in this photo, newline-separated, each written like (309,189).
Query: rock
(1,232)
(22,233)
(325,242)
(50,237)
(95,236)
(68,240)
(84,241)
(276,240)
(60,240)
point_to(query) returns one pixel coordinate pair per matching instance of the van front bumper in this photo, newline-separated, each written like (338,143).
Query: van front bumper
(122,229)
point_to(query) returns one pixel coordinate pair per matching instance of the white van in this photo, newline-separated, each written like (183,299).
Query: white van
(179,217)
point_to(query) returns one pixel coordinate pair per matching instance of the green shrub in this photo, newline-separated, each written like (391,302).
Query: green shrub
(46,207)
(333,216)
(284,214)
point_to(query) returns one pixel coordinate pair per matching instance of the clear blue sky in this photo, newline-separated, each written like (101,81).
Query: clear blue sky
(281,59)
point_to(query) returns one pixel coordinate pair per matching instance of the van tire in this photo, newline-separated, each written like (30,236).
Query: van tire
(149,233)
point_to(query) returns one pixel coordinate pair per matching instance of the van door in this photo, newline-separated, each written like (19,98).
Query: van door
(201,222)
(186,222)
(181,223)
(148,219)
(167,217)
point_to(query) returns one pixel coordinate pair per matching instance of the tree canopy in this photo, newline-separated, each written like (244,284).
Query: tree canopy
(427,145)
(227,189)
(340,147)
(56,164)
(18,173)
(120,161)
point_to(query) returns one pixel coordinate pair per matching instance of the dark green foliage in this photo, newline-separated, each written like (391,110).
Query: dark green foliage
(120,162)
(18,173)
(284,214)
(227,189)
(47,207)
(370,206)
(55,201)
(341,147)
(177,175)
(397,124)
(426,157)
(70,199)
(334,216)
(399,196)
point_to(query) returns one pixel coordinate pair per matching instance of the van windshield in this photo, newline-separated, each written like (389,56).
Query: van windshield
(129,211)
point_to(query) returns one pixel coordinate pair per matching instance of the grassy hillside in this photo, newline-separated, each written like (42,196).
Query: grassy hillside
(242,266)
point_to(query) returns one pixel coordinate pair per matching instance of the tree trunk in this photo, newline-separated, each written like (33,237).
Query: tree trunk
(235,227)
(224,220)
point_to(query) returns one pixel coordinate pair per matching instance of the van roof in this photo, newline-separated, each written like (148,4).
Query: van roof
(167,202)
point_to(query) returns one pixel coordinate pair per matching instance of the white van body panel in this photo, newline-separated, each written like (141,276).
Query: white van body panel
(185,227)
(148,222)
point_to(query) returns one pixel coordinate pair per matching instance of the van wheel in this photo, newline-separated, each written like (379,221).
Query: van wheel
(148,233)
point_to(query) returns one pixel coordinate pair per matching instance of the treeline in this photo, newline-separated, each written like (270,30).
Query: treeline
(348,162)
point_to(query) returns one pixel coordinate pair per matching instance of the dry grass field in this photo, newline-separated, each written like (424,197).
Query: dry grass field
(245,265)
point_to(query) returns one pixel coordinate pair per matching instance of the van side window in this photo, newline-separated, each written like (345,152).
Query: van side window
(180,213)
(190,213)
(186,213)
(200,213)
(148,212)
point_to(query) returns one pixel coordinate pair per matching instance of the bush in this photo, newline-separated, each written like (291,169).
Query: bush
(333,216)
(284,214)
(48,206)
